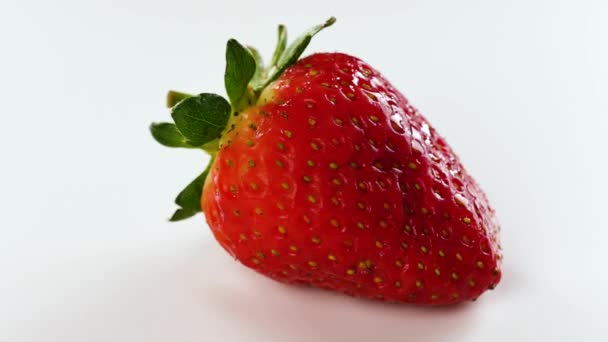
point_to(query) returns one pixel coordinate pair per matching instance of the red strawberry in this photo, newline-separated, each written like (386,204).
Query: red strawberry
(328,176)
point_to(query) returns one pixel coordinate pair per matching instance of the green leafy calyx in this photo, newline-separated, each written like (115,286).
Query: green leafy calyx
(200,120)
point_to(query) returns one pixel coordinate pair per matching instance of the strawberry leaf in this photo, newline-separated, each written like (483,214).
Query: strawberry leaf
(181,214)
(201,118)
(281,44)
(189,199)
(259,74)
(168,135)
(173,97)
(240,67)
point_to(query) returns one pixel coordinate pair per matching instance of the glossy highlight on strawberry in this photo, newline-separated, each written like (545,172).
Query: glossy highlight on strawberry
(328,176)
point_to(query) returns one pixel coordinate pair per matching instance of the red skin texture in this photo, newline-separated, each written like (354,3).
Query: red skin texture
(350,189)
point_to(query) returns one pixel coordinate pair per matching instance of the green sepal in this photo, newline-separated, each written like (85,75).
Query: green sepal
(189,199)
(294,51)
(240,68)
(173,97)
(181,214)
(281,44)
(167,134)
(201,118)
(259,75)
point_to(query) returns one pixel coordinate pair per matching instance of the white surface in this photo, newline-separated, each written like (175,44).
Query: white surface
(517,87)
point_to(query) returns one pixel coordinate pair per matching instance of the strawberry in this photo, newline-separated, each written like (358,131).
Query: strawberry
(322,173)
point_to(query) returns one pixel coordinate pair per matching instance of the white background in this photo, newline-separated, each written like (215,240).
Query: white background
(519,88)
